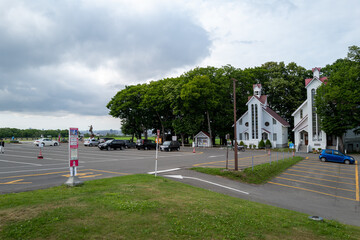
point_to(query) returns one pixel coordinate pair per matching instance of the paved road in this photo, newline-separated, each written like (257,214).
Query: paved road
(329,190)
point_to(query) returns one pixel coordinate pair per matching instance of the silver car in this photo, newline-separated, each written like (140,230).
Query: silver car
(91,142)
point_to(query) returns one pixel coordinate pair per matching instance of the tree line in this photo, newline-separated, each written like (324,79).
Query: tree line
(31,133)
(202,98)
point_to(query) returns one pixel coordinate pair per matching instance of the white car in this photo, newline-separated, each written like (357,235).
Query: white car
(91,142)
(46,142)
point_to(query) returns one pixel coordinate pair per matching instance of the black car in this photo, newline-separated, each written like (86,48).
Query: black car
(145,144)
(129,144)
(170,146)
(112,144)
(102,140)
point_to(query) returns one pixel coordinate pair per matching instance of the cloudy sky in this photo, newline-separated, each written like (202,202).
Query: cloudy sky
(62,61)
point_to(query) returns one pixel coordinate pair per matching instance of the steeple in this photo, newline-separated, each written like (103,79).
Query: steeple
(316,72)
(257,90)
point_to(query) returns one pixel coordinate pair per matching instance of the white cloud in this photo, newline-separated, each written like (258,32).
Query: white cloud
(62,57)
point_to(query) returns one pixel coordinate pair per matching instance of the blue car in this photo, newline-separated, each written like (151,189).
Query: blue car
(335,156)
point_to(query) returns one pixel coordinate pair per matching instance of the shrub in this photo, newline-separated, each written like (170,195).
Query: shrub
(261,144)
(250,146)
(241,143)
(14,141)
(245,146)
(254,146)
(268,143)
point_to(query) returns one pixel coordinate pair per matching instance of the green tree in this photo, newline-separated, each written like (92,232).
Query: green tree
(127,105)
(338,101)
(199,97)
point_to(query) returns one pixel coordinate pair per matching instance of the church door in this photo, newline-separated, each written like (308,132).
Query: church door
(306,137)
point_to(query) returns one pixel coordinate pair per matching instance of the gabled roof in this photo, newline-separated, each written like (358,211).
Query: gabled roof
(293,114)
(277,117)
(309,80)
(262,98)
(256,85)
(205,133)
(301,121)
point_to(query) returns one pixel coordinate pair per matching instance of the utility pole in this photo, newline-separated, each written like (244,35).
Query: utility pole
(235,139)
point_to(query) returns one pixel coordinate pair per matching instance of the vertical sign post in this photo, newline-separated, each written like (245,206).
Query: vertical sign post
(73,150)
(157,148)
(73,156)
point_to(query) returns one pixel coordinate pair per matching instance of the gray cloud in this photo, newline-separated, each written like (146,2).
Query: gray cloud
(46,45)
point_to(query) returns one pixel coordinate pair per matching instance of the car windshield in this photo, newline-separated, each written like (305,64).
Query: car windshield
(167,143)
(108,141)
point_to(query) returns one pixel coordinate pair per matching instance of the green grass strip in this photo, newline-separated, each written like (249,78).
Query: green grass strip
(261,174)
(148,207)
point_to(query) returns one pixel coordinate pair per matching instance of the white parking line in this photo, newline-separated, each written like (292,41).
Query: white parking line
(167,170)
(34,164)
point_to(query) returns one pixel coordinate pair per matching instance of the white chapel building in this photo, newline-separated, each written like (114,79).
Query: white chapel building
(261,122)
(307,130)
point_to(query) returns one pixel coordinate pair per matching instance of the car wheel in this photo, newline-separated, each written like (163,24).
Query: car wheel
(347,162)
(101,149)
(43,144)
(178,149)
(323,159)
(145,148)
(90,145)
(138,148)
(109,148)
(55,144)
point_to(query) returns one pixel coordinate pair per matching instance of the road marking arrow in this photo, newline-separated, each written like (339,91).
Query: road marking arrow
(201,180)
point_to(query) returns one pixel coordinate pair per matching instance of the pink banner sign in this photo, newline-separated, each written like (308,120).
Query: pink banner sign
(73,147)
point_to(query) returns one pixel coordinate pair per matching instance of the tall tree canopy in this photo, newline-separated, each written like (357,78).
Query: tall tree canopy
(338,101)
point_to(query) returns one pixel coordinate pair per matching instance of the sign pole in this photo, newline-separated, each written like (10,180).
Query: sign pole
(73,157)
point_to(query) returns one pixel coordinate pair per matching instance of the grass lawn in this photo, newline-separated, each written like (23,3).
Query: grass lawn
(261,173)
(145,207)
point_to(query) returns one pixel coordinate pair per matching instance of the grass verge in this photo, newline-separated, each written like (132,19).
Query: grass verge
(261,174)
(145,207)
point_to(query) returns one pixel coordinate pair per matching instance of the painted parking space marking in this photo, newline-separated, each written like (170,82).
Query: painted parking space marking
(18,181)
(310,190)
(321,185)
(317,169)
(26,163)
(321,179)
(80,173)
(324,167)
(323,174)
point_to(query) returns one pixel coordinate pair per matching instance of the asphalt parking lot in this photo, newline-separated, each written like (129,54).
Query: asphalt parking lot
(327,189)
(325,178)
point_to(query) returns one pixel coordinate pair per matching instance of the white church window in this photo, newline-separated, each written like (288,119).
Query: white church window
(301,113)
(267,123)
(256,122)
(253,120)
(240,122)
(240,136)
(274,121)
(274,137)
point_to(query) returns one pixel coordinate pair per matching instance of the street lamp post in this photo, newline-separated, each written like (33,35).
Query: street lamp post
(235,139)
